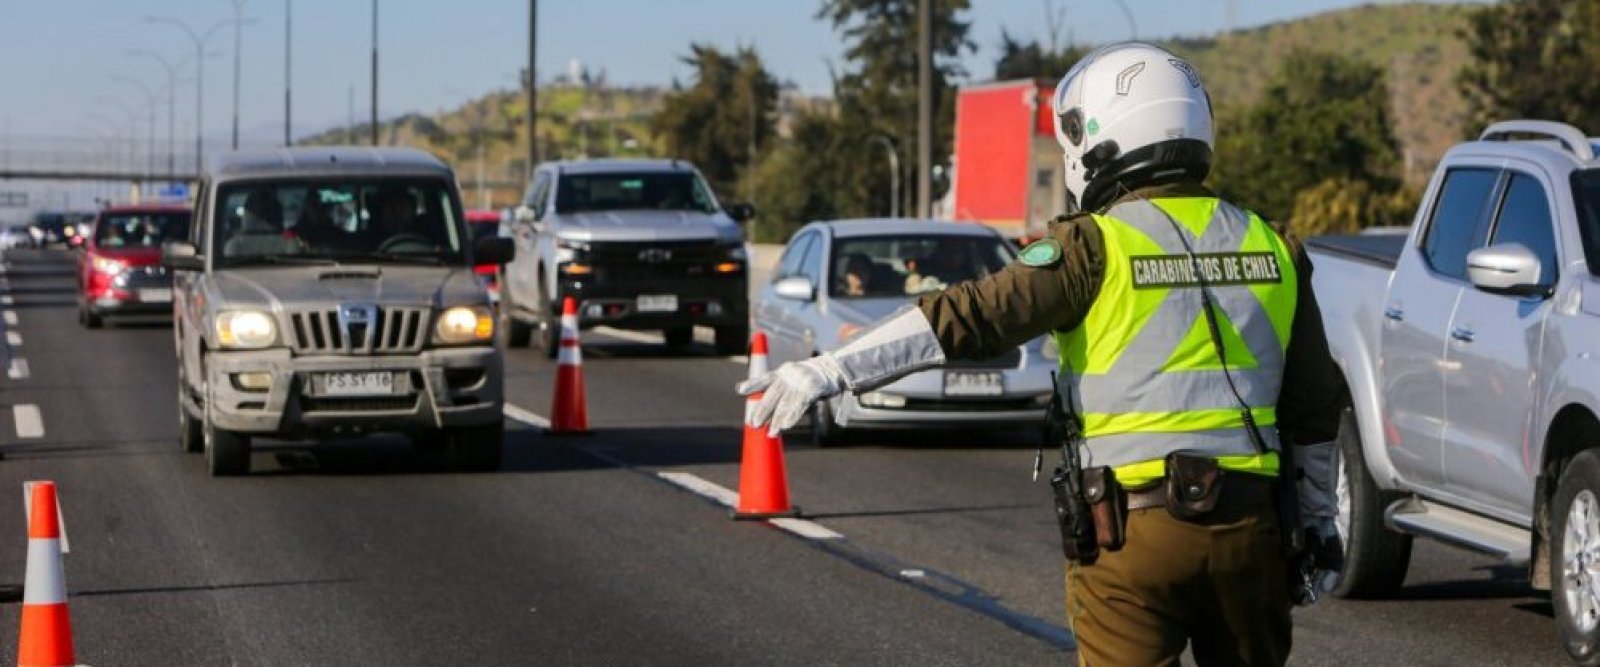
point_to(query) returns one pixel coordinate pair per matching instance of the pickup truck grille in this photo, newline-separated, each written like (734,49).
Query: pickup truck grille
(395,331)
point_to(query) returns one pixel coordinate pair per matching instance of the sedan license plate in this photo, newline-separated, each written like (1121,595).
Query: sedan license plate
(658,303)
(358,384)
(155,295)
(969,383)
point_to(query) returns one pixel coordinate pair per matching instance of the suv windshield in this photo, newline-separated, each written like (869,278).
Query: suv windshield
(899,266)
(140,230)
(389,221)
(660,191)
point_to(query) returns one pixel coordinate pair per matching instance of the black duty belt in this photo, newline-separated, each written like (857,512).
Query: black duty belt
(1238,489)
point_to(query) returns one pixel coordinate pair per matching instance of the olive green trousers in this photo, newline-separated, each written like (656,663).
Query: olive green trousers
(1217,583)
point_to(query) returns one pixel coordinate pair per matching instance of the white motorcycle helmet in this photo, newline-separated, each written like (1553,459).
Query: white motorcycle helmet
(1127,115)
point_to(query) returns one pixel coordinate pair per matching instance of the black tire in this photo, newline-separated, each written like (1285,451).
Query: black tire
(548,326)
(678,339)
(824,432)
(518,334)
(1375,558)
(733,339)
(89,320)
(227,453)
(1570,586)
(478,448)
(191,432)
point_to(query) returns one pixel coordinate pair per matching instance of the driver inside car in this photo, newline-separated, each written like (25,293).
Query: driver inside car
(397,224)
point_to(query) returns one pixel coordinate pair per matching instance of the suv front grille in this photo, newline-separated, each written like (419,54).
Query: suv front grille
(395,331)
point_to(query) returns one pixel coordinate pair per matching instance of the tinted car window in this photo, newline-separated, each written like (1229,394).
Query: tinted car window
(1525,219)
(790,264)
(811,266)
(388,221)
(660,191)
(1459,225)
(1586,198)
(140,230)
(896,266)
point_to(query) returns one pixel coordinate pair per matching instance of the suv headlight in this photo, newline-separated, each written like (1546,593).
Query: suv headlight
(245,329)
(464,324)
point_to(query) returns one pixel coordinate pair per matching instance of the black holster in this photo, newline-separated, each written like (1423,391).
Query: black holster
(1194,483)
(1079,542)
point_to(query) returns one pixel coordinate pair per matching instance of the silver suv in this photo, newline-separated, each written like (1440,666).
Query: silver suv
(330,291)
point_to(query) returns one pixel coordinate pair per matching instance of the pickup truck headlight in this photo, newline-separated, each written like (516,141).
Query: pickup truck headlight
(464,324)
(245,329)
(567,251)
(737,252)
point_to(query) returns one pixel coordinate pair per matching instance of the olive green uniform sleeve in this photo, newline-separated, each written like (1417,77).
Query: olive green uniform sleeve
(984,318)
(1310,399)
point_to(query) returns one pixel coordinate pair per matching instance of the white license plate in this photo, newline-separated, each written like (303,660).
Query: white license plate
(358,384)
(658,303)
(155,295)
(969,383)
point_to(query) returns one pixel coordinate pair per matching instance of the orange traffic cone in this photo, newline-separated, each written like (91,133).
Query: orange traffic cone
(763,481)
(569,412)
(46,632)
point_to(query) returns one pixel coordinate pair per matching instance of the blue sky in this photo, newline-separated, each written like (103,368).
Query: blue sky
(58,58)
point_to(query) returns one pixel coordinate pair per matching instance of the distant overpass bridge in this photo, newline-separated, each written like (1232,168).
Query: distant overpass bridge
(92,159)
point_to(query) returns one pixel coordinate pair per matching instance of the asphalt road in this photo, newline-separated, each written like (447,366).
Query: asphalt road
(926,548)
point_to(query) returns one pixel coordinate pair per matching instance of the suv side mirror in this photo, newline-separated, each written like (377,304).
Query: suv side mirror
(1506,268)
(797,288)
(493,250)
(740,212)
(181,256)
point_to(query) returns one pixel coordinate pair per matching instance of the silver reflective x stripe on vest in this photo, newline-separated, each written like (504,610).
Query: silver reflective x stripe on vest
(1137,384)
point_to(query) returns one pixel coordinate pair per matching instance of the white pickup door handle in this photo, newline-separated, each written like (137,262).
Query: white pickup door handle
(1394,313)
(1462,334)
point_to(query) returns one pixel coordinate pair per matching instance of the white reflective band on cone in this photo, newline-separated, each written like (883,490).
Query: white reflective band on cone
(45,584)
(758,366)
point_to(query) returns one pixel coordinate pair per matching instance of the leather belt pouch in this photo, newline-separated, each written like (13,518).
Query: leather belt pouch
(1194,483)
(1109,506)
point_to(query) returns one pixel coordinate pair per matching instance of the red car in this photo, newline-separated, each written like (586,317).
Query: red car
(119,270)
(484,224)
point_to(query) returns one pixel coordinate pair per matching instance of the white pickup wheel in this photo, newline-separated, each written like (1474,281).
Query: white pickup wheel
(1376,558)
(1575,558)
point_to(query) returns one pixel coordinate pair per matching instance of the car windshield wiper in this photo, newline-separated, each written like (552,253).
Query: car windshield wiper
(397,258)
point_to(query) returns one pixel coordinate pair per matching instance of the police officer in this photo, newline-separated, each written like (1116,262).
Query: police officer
(1124,286)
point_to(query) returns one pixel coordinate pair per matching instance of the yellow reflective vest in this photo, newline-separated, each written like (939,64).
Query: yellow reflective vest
(1144,372)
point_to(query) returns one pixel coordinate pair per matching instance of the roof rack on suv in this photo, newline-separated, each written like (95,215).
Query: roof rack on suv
(1570,137)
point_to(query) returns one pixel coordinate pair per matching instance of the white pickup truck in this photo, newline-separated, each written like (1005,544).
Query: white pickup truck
(1471,356)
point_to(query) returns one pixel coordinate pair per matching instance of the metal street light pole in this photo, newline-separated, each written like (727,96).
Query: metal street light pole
(238,38)
(374,72)
(172,104)
(532,85)
(1133,26)
(288,70)
(894,172)
(924,108)
(200,77)
(150,99)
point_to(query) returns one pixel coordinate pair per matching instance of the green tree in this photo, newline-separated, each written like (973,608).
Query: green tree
(1532,59)
(877,93)
(1322,117)
(722,121)
(798,181)
(1031,60)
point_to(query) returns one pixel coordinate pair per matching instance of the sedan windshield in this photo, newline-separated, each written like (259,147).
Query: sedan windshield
(899,266)
(389,221)
(140,230)
(661,191)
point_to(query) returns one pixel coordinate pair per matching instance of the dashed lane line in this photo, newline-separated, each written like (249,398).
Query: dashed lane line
(526,417)
(13,339)
(729,498)
(11,318)
(18,369)
(7,299)
(30,424)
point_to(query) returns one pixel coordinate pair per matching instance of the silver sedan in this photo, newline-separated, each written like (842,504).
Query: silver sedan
(836,277)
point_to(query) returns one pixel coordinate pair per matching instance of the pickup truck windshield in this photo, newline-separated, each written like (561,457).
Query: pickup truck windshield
(899,266)
(656,191)
(140,230)
(384,222)
(1586,198)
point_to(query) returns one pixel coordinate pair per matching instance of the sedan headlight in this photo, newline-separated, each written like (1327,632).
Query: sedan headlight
(245,329)
(108,265)
(464,324)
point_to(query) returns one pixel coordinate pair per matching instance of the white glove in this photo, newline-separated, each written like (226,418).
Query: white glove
(791,390)
(890,349)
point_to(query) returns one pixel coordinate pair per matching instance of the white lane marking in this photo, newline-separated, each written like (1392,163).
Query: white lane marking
(11,318)
(694,483)
(13,339)
(525,416)
(806,528)
(18,369)
(7,299)
(635,336)
(30,424)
